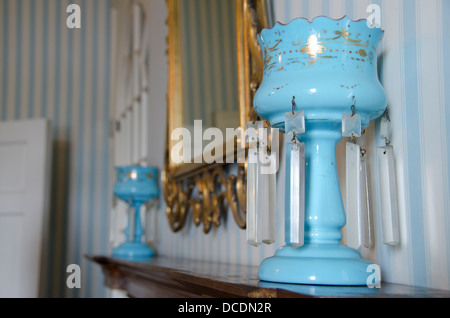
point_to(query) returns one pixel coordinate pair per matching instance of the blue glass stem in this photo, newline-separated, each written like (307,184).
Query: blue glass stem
(138,231)
(324,208)
(127,230)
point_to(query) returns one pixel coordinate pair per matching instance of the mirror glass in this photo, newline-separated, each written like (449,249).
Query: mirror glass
(207,34)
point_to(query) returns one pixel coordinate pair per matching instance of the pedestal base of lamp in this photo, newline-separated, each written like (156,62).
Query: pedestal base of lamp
(316,264)
(133,250)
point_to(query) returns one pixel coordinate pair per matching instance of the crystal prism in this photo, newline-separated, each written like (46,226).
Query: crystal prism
(267,200)
(253,191)
(295,121)
(254,128)
(261,185)
(295,223)
(353,194)
(366,217)
(388,195)
(385,128)
(351,125)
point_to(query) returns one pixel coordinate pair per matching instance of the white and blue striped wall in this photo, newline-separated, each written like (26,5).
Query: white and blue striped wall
(48,70)
(208,58)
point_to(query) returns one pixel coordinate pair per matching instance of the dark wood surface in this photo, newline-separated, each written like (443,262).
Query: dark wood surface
(167,277)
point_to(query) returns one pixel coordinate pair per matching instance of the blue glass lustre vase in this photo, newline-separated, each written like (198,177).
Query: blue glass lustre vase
(327,66)
(135,185)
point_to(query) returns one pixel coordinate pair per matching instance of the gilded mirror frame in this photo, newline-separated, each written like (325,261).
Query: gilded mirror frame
(193,187)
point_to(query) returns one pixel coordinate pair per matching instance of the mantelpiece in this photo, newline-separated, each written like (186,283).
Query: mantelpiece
(168,277)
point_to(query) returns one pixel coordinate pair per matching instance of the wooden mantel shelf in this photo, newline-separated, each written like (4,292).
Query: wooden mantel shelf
(163,277)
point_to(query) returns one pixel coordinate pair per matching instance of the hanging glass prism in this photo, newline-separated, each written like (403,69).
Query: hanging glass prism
(297,195)
(353,194)
(295,159)
(385,128)
(295,121)
(366,217)
(351,125)
(388,195)
(253,183)
(268,198)
(261,185)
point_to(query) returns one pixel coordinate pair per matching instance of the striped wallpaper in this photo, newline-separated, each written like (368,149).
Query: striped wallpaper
(209,60)
(48,70)
(414,68)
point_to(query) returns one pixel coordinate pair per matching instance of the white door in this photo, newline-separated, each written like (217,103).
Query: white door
(24,180)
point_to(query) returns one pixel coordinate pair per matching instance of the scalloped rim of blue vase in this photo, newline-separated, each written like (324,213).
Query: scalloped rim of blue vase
(135,167)
(279,25)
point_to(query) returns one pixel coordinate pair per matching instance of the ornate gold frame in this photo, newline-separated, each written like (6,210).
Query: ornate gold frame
(195,186)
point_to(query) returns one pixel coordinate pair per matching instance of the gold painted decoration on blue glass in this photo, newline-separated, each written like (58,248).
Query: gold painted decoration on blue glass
(136,186)
(327,64)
